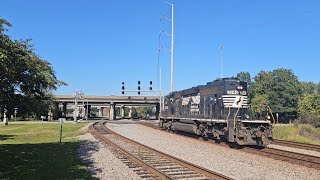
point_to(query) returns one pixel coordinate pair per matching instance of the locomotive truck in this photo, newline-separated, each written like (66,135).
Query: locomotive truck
(219,110)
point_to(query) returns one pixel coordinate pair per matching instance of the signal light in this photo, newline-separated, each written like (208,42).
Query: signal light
(122,92)
(150,82)
(139,82)
(150,86)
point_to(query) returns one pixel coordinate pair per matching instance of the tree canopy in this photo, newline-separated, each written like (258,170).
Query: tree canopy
(26,80)
(279,89)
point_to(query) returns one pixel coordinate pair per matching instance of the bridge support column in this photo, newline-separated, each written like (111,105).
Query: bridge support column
(87,111)
(130,112)
(157,111)
(112,112)
(64,110)
(100,111)
(55,111)
(122,112)
(83,112)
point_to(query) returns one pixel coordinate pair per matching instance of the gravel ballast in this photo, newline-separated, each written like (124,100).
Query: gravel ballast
(103,164)
(229,162)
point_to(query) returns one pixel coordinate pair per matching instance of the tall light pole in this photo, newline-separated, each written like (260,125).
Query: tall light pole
(172,44)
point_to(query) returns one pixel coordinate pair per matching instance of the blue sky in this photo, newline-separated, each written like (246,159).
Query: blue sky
(95,45)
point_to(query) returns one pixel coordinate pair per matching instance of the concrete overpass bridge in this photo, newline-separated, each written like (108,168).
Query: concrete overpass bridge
(106,104)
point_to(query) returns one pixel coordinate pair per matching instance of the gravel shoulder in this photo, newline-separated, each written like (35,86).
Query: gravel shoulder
(230,162)
(102,163)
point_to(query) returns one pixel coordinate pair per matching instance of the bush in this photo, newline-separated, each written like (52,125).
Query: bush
(310,132)
(313,120)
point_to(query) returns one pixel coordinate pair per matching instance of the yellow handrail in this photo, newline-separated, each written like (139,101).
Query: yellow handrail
(274,121)
(235,117)
(228,117)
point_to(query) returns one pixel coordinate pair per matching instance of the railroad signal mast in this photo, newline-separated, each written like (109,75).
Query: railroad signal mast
(122,92)
(139,90)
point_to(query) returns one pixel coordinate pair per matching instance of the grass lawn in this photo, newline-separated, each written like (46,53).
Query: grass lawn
(32,151)
(299,133)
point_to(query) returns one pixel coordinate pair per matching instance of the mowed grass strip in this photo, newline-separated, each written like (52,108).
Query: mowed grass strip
(301,133)
(33,151)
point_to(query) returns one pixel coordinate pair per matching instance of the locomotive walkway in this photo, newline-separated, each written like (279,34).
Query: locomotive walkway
(148,162)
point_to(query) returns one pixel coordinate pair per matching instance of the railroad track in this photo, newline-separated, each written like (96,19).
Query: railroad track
(310,147)
(147,162)
(292,157)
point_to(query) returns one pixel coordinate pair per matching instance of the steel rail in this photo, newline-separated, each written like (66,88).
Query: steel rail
(191,168)
(311,147)
(126,153)
(288,156)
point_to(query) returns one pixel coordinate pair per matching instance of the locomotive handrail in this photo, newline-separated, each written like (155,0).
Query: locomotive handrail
(228,116)
(274,121)
(235,117)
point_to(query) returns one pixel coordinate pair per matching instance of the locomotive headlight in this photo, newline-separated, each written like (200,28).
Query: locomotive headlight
(240,87)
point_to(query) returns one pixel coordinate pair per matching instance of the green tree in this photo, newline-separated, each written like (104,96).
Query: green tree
(310,104)
(26,80)
(285,91)
(279,89)
(309,87)
(309,109)
(245,76)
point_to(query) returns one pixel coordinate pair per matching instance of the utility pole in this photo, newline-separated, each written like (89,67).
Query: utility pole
(221,61)
(75,112)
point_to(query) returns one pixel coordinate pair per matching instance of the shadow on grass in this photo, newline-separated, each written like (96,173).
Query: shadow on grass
(5,137)
(44,161)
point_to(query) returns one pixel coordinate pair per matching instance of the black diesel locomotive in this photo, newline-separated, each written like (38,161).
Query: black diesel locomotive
(219,110)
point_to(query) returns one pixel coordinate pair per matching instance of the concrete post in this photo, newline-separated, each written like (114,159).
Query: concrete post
(122,112)
(112,112)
